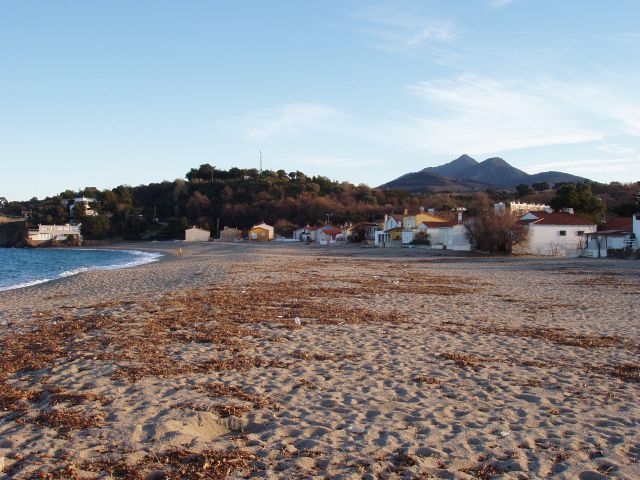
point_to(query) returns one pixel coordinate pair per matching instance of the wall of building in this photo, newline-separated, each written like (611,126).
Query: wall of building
(196,235)
(548,240)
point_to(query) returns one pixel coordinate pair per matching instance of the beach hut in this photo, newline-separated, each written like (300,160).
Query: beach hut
(230,234)
(261,232)
(195,234)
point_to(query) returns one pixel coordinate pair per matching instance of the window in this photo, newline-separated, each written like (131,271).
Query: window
(562,233)
(580,233)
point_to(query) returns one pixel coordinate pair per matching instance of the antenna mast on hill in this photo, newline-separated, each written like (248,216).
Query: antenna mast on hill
(260,160)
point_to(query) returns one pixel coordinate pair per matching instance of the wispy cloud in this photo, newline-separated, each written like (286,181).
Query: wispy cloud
(390,29)
(287,119)
(480,114)
(338,161)
(613,166)
(499,3)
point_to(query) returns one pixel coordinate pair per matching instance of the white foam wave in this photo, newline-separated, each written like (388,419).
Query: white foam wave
(139,258)
(25,284)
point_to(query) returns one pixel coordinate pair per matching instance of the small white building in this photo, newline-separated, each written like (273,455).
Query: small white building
(517,208)
(58,233)
(85,201)
(555,234)
(618,234)
(450,235)
(195,234)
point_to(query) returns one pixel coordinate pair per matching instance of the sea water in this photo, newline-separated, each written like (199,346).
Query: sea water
(22,267)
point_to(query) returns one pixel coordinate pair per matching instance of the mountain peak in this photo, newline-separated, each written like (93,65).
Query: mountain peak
(495,161)
(455,168)
(471,174)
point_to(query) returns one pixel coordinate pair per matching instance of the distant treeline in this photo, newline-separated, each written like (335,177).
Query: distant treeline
(240,198)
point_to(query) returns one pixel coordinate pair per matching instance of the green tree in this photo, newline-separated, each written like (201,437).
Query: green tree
(205,173)
(581,199)
(96,227)
(540,186)
(421,238)
(523,189)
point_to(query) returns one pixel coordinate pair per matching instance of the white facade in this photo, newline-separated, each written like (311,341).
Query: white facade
(391,222)
(518,208)
(451,237)
(196,234)
(60,233)
(558,240)
(555,234)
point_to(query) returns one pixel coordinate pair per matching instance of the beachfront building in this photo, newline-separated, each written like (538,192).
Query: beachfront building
(261,232)
(195,234)
(616,236)
(54,233)
(411,223)
(554,234)
(447,235)
(230,234)
(391,232)
(302,234)
(328,234)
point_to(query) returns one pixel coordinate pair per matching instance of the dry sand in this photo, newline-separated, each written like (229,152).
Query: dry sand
(245,361)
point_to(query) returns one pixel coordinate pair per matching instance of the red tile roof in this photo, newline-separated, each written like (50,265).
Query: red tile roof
(619,223)
(556,218)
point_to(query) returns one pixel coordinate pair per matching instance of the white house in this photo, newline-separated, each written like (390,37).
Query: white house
(326,235)
(59,233)
(85,201)
(555,233)
(617,234)
(392,221)
(450,235)
(195,234)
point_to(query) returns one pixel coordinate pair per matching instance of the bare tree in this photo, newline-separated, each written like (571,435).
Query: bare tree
(495,231)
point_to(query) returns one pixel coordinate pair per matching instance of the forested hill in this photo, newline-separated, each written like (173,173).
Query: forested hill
(240,198)
(213,198)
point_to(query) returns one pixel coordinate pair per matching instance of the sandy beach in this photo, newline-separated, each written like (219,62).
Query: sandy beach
(295,361)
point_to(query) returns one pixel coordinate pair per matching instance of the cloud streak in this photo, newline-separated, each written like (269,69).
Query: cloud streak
(499,3)
(481,114)
(390,29)
(287,119)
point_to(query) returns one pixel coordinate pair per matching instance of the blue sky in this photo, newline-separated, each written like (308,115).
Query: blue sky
(112,92)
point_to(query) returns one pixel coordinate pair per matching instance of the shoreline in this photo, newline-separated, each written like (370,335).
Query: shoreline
(287,361)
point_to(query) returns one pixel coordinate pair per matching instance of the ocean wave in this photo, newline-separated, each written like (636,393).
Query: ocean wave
(29,283)
(142,258)
(133,258)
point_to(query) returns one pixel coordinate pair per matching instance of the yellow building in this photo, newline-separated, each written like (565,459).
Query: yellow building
(261,232)
(413,220)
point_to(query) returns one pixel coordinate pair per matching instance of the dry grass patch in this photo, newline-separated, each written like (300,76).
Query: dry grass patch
(172,465)
(485,471)
(65,420)
(463,360)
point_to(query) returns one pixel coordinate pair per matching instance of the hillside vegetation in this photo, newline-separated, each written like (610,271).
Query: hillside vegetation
(240,198)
